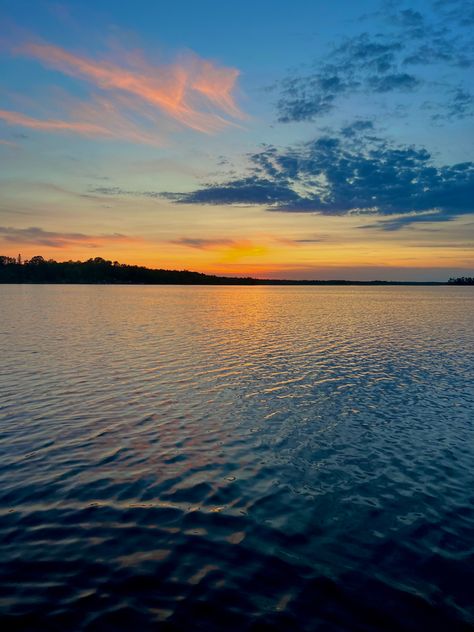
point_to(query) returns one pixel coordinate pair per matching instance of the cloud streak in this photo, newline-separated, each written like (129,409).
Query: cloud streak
(83,128)
(7,143)
(35,235)
(193,92)
(202,243)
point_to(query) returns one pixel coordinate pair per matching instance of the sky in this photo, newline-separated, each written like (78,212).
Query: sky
(302,140)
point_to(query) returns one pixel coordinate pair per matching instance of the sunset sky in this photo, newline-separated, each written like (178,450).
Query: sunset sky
(301,139)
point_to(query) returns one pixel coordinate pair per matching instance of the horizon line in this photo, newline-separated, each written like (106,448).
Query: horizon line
(18,261)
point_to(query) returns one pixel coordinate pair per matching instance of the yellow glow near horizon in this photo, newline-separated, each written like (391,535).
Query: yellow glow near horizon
(265,256)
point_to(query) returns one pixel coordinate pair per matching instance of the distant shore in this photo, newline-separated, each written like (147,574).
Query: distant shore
(100,271)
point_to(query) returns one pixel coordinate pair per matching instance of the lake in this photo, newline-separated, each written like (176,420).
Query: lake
(236,458)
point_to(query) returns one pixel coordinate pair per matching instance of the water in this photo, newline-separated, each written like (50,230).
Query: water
(236,458)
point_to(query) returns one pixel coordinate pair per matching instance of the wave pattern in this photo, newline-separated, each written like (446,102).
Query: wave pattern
(199,458)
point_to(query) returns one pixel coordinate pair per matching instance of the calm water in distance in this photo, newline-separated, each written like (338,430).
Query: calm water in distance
(236,458)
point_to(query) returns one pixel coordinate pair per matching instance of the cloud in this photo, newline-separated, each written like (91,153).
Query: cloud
(308,240)
(120,192)
(391,61)
(350,173)
(359,64)
(193,92)
(411,18)
(357,127)
(83,128)
(456,10)
(365,52)
(8,143)
(202,244)
(396,223)
(247,191)
(298,103)
(228,250)
(395,81)
(459,106)
(35,235)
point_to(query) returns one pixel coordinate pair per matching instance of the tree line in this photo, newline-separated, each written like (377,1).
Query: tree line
(102,271)
(461,281)
(98,270)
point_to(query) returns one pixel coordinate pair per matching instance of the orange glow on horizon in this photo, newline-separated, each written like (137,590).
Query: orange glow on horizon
(262,258)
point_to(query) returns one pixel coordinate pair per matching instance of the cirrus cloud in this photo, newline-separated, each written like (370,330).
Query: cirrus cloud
(134,99)
(174,89)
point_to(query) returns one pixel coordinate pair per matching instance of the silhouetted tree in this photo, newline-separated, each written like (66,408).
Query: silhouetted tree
(5,261)
(37,260)
(99,270)
(461,281)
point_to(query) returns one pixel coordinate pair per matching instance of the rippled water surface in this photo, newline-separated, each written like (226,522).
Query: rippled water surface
(236,458)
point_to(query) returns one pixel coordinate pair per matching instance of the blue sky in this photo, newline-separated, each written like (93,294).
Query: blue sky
(311,140)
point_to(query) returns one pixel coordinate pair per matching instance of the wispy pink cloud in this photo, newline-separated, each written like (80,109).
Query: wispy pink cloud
(98,117)
(8,143)
(194,92)
(88,129)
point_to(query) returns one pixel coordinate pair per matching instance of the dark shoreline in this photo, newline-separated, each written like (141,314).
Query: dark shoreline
(253,282)
(98,271)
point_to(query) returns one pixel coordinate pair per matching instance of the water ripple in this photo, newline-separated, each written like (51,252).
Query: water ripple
(198,458)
